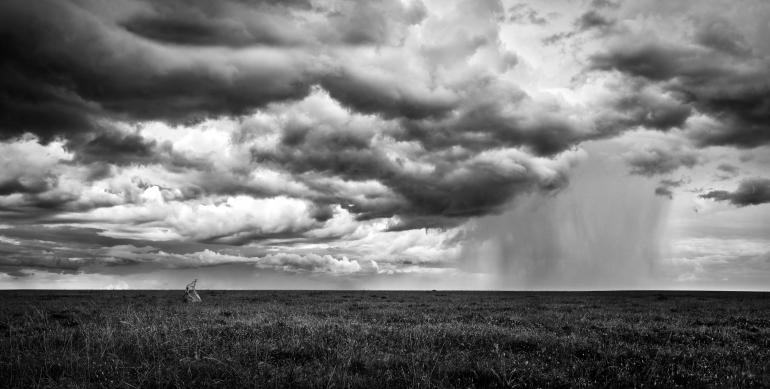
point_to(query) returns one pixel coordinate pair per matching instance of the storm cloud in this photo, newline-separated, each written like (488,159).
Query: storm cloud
(752,191)
(716,74)
(345,137)
(105,68)
(656,161)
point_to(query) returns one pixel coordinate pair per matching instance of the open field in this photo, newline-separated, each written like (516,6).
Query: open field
(383,339)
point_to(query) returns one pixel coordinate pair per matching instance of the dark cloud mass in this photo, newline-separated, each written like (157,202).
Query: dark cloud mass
(752,191)
(664,191)
(73,69)
(717,75)
(656,161)
(467,184)
(727,168)
(65,67)
(665,186)
(18,185)
(272,23)
(116,147)
(348,137)
(592,19)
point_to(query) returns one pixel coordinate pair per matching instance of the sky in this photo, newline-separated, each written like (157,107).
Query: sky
(405,144)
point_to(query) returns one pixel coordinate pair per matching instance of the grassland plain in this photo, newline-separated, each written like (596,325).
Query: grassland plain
(373,339)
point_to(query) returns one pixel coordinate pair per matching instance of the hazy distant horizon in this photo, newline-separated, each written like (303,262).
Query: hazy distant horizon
(704,290)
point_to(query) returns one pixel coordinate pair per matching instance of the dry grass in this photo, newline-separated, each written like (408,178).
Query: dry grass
(384,339)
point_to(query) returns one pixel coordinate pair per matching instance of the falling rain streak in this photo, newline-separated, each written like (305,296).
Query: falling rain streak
(591,235)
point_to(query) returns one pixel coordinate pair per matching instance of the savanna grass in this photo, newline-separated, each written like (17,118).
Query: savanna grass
(384,339)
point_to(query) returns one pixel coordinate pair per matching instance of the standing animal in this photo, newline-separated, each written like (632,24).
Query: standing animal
(190,295)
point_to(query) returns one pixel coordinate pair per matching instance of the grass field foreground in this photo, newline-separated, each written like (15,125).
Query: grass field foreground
(373,339)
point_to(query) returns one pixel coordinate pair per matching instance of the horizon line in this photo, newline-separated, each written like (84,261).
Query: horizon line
(405,290)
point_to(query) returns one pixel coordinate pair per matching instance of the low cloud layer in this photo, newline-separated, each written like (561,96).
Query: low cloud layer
(753,191)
